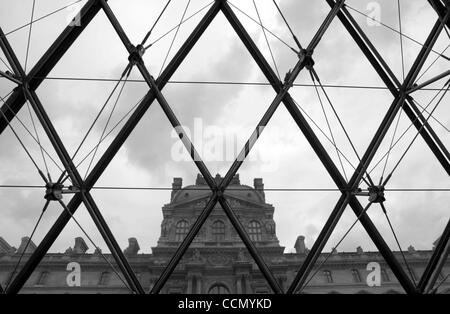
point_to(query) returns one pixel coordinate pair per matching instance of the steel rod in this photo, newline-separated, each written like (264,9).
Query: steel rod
(112,150)
(48,61)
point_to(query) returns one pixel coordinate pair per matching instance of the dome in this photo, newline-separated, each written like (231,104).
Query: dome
(201,190)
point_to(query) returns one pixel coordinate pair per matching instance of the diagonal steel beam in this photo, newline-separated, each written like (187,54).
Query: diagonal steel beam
(235,167)
(87,199)
(112,150)
(436,262)
(444,18)
(205,172)
(440,9)
(48,61)
(443,258)
(196,158)
(10,77)
(429,82)
(10,56)
(337,212)
(287,96)
(395,87)
(76,178)
(218,190)
(322,154)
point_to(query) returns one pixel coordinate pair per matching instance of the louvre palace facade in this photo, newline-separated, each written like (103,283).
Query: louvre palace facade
(217,262)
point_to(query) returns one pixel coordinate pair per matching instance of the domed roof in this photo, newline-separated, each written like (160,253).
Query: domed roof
(201,189)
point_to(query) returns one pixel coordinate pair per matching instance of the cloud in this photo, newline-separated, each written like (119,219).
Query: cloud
(146,157)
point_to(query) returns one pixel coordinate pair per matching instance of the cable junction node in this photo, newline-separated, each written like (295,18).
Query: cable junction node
(374,192)
(55,191)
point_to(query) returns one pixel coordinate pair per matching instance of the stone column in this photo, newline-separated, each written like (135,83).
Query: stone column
(199,285)
(190,280)
(248,288)
(239,285)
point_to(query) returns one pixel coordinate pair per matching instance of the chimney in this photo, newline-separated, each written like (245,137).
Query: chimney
(200,180)
(259,186)
(235,180)
(80,246)
(24,248)
(300,246)
(176,186)
(218,178)
(359,250)
(133,247)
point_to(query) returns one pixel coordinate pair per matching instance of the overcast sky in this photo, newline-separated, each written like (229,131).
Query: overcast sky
(282,157)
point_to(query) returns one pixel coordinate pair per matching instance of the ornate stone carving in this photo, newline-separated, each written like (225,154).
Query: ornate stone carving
(234,203)
(197,257)
(219,259)
(167,226)
(164,229)
(278,260)
(201,203)
(241,256)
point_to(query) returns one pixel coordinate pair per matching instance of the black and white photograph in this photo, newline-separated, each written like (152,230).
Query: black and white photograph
(248,148)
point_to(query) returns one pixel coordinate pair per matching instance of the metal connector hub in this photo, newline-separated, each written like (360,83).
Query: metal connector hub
(307,55)
(136,56)
(55,191)
(376,194)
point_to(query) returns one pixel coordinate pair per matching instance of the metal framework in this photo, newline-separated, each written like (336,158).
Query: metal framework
(27,84)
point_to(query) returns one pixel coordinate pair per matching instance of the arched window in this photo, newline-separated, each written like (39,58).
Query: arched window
(182,230)
(254,231)
(218,289)
(218,230)
(43,278)
(356,276)
(328,276)
(104,279)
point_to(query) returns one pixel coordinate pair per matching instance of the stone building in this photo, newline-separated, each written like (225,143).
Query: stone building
(217,261)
